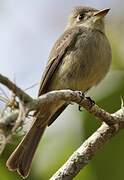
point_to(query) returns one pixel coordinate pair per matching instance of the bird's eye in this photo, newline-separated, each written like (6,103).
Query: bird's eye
(80,17)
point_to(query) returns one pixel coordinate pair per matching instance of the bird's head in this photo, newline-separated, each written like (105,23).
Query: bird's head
(88,17)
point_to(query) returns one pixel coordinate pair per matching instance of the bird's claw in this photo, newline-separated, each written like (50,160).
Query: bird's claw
(79,108)
(92,102)
(81,94)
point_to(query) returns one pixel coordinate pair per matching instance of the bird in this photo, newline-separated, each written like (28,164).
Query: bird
(79,60)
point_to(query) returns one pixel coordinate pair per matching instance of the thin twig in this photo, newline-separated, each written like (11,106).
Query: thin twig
(16,90)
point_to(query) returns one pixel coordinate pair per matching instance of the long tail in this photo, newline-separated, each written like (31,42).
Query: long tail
(21,158)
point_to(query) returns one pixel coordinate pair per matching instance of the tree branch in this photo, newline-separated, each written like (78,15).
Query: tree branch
(16,90)
(112,123)
(82,156)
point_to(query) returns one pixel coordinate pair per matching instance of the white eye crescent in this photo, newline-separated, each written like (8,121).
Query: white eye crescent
(80,17)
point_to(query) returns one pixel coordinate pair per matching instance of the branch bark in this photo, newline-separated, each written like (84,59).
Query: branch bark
(111,124)
(82,156)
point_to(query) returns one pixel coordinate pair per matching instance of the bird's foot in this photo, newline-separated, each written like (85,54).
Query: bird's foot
(79,108)
(81,94)
(92,102)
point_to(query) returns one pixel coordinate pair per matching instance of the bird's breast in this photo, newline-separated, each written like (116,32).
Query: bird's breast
(85,64)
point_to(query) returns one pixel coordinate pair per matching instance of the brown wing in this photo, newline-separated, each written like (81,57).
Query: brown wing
(66,41)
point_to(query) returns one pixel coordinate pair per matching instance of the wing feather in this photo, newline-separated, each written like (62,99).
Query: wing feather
(66,41)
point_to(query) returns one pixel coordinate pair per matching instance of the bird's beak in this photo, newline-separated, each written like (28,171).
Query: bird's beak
(101,13)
